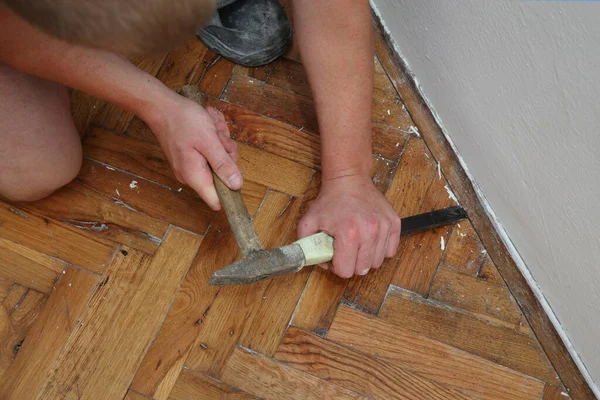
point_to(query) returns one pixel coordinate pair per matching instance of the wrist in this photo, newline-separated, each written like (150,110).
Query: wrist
(360,169)
(154,107)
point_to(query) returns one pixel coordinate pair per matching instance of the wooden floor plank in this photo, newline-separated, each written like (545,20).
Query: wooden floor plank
(271,101)
(165,358)
(213,74)
(181,64)
(270,318)
(78,206)
(478,297)
(148,161)
(489,273)
(464,252)
(424,250)
(48,334)
(271,135)
(268,379)
(406,195)
(15,295)
(126,310)
(233,307)
(431,359)
(55,239)
(555,393)
(193,385)
(5,285)
(350,369)
(28,267)
(15,325)
(496,343)
(146,197)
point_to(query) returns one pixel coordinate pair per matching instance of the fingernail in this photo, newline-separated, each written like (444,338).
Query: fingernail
(235,180)
(366,271)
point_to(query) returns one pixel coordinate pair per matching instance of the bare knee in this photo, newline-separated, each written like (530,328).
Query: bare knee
(36,183)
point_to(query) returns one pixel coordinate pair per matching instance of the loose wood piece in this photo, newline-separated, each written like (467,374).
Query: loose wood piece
(127,309)
(87,210)
(233,306)
(268,379)
(406,194)
(465,252)
(27,267)
(496,343)
(431,359)
(48,334)
(441,149)
(55,239)
(193,385)
(113,117)
(163,361)
(143,196)
(478,297)
(423,251)
(355,371)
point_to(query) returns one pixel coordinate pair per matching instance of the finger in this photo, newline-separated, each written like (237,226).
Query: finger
(364,258)
(230,147)
(325,266)
(381,245)
(394,238)
(198,176)
(344,256)
(216,114)
(222,163)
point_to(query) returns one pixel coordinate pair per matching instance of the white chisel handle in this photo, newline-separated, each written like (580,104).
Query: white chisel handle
(317,248)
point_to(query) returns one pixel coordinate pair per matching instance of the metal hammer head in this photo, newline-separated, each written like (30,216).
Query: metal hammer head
(260,264)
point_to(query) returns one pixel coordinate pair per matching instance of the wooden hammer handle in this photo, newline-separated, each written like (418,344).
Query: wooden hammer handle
(231,200)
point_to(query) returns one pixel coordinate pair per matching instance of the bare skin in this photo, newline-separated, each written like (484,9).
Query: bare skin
(335,42)
(336,45)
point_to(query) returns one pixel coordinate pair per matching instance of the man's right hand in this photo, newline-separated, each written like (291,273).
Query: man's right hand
(193,138)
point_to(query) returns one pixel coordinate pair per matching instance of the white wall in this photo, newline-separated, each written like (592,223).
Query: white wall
(516,86)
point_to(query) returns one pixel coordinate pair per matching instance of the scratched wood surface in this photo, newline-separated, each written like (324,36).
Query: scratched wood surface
(103,285)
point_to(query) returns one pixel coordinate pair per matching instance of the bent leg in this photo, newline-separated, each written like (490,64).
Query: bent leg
(40,149)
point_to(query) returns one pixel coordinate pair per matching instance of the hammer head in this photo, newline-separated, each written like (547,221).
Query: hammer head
(260,264)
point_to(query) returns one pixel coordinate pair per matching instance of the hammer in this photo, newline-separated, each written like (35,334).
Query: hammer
(257,263)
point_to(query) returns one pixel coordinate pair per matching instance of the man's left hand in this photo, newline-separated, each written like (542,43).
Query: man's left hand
(365,227)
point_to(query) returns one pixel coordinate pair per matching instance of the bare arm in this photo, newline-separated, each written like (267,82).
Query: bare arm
(185,130)
(336,45)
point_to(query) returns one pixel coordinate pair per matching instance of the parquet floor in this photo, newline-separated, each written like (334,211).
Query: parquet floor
(104,289)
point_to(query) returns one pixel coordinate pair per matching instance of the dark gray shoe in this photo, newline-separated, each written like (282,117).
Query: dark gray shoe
(249,32)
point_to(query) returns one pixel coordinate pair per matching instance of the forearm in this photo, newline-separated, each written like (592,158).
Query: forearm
(335,41)
(97,72)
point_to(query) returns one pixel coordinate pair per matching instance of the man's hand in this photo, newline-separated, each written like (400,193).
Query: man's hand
(365,227)
(192,138)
